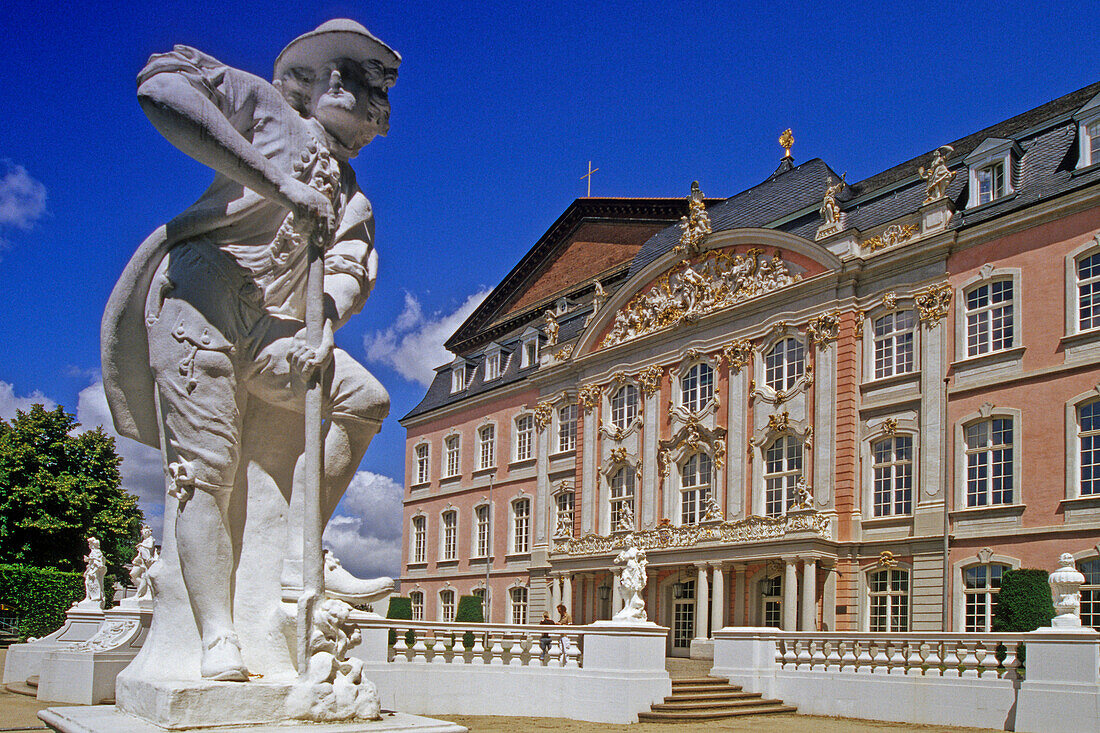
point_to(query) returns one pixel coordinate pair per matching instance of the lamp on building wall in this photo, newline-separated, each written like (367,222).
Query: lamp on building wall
(604,592)
(678,587)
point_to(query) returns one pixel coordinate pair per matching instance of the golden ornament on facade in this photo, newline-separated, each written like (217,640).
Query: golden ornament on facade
(933,303)
(861,315)
(695,226)
(544,411)
(589,397)
(894,234)
(824,328)
(890,300)
(719,455)
(890,425)
(738,353)
(618,455)
(619,378)
(786,140)
(564,352)
(780,423)
(886,560)
(650,379)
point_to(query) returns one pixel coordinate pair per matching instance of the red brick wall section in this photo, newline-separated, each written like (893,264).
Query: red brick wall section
(847,424)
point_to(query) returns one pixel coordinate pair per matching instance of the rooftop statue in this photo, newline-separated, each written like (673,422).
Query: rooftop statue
(937,175)
(207,354)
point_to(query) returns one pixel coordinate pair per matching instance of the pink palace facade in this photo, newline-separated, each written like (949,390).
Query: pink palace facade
(816,404)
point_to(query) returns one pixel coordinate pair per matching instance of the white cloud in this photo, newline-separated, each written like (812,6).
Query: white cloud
(22,198)
(10,402)
(365,532)
(142,468)
(413,345)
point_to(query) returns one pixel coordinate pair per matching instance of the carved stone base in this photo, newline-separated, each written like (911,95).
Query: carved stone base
(935,216)
(107,719)
(84,673)
(25,660)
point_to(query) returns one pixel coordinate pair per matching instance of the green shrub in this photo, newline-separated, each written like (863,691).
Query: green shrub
(40,596)
(401,608)
(1023,603)
(469,611)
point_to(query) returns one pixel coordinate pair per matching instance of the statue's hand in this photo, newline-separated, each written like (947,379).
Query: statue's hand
(307,360)
(312,210)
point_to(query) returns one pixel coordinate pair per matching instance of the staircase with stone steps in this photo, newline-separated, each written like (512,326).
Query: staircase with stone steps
(710,698)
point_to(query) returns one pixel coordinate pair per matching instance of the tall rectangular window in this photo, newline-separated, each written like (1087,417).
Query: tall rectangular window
(451,449)
(521,526)
(624,406)
(784,364)
(694,487)
(981,583)
(697,387)
(563,503)
(486,438)
(420,525)
(482,514)
(889,608)
(450,535)
(782,469)
(1090,591)
(989,450)
(492,365)
(1088,292)
(1093,130)
(989,320)
(458,378)
(525,434)
(417,599)
(1089,437)
(893,469)
(622,496)
(991,183)
(567,427)
(446,606)
(893,344)
(422,463)
(518,598)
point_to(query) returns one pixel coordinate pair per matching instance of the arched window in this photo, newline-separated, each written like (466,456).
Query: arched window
(417,599)
(782,469)
(889,600)
(989,456)
(981,583)
(450,535)
(446,605)
(622,494)
(893,336)
(1089,441)
(518,600)
(695,476)
(1090,592)
(521,525)
(893,469)
(697,387)
(420,525)
(624,406)
(784,364)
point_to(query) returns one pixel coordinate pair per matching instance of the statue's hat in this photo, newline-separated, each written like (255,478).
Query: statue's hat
(335,39)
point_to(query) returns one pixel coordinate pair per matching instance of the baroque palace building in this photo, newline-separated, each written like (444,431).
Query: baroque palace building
(816,404)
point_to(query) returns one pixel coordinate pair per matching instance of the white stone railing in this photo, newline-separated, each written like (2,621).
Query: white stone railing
(931,655)
(492,644)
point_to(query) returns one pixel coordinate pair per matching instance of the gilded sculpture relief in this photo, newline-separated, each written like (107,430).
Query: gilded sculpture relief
(933,303)
(695,226)
(894,234)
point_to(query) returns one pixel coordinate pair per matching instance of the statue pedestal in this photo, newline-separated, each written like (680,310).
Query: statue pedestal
(25,660)
(107,719)
(84,673)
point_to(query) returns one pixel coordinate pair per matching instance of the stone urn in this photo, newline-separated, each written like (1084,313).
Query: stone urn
(1065,590)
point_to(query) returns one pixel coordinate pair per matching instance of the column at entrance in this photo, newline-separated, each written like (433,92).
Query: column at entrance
(702,609)
(809,595)
(555,594)
(566,594)
(718,605)
(790,595)
(617,601)
(739,597)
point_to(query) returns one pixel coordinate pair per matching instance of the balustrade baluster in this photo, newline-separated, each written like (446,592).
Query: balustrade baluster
(969,660)
(803,660)
(1011,662)
(439,648)
(933,659)
(864,660)
(572,652)
(898,658)
(847,656)
(817,654)
(496,653)
(515,650)
(420,648)
(952,659)
(477,652)
(400,648)
(832,655)
(914,658)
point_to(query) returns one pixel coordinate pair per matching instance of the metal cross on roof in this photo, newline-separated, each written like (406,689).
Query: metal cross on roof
(588,175)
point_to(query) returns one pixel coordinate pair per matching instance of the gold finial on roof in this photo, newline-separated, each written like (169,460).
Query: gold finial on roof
(787,141)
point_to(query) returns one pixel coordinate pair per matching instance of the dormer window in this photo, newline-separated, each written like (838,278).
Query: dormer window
(530,348)
(460,375)
(494,363)
(992,170)
(1088,133)
(1092,134)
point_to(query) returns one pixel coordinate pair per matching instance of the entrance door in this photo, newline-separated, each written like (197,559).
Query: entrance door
(771,601)
(683,620)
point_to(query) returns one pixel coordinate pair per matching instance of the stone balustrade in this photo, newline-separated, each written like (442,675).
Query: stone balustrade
(492,644)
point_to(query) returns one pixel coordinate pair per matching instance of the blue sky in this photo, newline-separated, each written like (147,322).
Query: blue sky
(496,112)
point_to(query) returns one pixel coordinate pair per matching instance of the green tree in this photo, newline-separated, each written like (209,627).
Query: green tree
(57,488)
(469,611)
(1023,603)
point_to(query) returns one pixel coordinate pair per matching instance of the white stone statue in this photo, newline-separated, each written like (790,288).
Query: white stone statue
(830,209)
(564,526)
(552,328)
(804,498)
(626,517)
(939,177)
(632,580)
(146,555)
(95,568)
(711,511)
(205,352)
(1065,590)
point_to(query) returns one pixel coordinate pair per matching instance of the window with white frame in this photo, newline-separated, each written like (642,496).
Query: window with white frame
(525,437)
(422,463)
(1092,133)
(697,387)
(492,365)
(567,427)
(771,601)
(991,182)
(782,469)
(563,505)
(1088,422)
(518,600)
(784,364)
(989,318)
(894,334)
(989,462)
(451,455)
(1090,591)
(889,600)
(981,583)
(521,525)
(486,446)
(481,515)
(420,530)
(622,494)
(892,461)
(446,605)
(417,599)
(695,476)
(530,351)
(450,535)
(1088,292)
(624,406)
(459,377)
